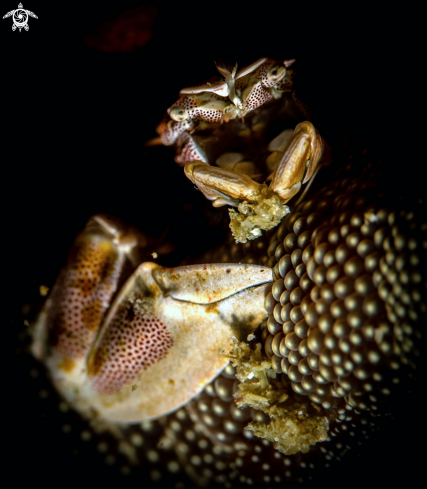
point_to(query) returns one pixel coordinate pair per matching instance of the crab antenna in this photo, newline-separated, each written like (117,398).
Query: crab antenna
(230,77)
(223,68)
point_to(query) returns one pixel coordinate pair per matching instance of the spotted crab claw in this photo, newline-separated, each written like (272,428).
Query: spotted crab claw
(139,351)
(294,158)
(246,88)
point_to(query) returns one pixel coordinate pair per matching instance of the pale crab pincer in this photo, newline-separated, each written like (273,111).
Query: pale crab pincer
(126,340)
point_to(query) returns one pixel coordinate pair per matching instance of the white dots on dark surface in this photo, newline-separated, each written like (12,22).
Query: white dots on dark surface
(207,458)
(153,456)
(173,466)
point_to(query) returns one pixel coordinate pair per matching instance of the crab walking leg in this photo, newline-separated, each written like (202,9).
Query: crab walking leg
(221,186)
(298,162)
(161,341)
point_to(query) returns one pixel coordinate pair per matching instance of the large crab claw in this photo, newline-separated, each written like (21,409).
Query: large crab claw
(294,159)
(160,340)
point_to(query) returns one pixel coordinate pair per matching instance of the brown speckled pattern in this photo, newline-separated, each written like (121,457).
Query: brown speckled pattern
(81,297)
(133,342)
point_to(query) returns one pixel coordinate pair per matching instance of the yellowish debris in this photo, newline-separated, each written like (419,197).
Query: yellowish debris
(154,255)
(264,213)
(43,290)
(294,426)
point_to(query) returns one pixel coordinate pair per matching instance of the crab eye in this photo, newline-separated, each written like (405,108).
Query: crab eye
(276,73)
(178,114)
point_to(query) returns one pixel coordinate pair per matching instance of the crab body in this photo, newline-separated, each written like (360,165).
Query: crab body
(318,317)
(211,135)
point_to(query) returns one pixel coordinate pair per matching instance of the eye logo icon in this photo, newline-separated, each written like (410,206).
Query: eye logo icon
(20,17)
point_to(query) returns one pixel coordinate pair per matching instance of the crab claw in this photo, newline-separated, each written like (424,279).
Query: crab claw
(223,187)
(142,351)
(100,257)
(164,334)
(299,161)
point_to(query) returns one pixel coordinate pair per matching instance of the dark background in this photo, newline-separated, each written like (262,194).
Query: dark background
(74,124)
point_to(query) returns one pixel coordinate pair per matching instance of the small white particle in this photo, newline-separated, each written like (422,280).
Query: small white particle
(173,467)
(195,460)
(152,456)
(136,439)
(208,458)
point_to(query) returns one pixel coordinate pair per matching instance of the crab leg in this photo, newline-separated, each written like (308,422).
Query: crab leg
(221,186)
(295,167)
(299,161)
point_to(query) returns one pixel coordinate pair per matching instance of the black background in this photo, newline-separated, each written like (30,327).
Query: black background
(73,127)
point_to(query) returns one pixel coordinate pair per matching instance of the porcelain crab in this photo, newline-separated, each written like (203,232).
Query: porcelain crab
(215,128)
(121,335)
